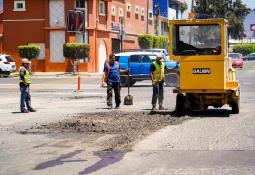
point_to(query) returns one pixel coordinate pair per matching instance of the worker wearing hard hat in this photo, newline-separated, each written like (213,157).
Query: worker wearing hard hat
(157,70)
(25,81)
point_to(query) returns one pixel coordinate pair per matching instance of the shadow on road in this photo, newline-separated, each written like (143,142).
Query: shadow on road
(17,112)
(202,114)
(211,113)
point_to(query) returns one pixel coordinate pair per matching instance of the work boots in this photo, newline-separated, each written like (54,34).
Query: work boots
(162,108)
(32,110)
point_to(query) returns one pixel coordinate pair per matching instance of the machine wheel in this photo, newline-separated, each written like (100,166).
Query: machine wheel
(180,105)
(235,107)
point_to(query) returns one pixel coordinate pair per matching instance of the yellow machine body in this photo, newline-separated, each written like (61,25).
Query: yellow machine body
(206,76)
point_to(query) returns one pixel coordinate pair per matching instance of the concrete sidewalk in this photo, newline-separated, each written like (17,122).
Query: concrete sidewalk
(60,74)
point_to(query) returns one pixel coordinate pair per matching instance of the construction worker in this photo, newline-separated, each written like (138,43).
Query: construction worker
(112,78)
(25,81)
(157,70)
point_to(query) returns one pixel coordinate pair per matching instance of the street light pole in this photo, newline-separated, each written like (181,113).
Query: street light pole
(147,20)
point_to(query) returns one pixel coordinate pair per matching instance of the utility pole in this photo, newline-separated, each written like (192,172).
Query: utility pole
(121,33)
(147,20)
(157,18)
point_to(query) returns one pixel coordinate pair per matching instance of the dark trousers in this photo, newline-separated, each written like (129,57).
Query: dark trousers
(25,98)
(116,87)
(158,93)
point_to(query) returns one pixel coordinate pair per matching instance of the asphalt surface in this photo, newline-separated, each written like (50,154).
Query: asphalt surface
(214,142)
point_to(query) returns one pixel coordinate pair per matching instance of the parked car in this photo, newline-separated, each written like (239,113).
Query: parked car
(237,59)
(250,56)
(140,63)
(7,65)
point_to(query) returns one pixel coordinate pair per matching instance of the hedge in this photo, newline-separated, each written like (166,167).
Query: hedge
(75,50)
(244,48)
(150,41)
(29,51)
(145,41)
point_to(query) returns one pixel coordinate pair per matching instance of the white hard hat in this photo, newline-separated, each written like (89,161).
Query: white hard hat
(26,61)
(160,56)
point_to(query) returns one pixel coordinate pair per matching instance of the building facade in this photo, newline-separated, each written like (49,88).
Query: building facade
(167,10)
(43,22)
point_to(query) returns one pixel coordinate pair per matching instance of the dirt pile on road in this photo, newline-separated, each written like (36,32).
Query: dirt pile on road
(120,129)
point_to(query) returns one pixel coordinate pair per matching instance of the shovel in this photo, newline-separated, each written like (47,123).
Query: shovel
(128,100)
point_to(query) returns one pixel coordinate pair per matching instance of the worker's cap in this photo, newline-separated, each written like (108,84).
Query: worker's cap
(159,56)
(26,61)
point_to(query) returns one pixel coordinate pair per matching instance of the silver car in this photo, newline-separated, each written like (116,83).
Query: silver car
(7,65)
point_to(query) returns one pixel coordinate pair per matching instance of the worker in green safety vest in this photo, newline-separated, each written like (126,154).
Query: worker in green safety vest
(157,70)
(25,81)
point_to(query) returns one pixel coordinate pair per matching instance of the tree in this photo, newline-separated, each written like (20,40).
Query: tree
(75,51)
(183,8)
(234,11)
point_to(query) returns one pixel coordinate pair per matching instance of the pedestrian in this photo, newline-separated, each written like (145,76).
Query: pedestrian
(157,70)
(112,78)
(25,81)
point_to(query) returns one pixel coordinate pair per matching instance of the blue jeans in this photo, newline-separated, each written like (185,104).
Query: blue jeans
(158,93)
(25,98)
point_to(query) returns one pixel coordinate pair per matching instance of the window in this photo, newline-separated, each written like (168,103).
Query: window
(121,12)
(136,10)
(150,15)
(197,40)
(146,59)
(102,8)
(142,11)
(135,58)
(128,7)
(9,59)
(113,10)
(80,4)
(19,5)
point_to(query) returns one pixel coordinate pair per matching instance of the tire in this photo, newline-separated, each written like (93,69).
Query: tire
(180,105)
(124,82)
(235,107)
(132,82)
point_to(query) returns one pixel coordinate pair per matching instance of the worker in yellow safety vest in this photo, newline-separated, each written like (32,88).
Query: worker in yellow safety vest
(25,81)
(157,70)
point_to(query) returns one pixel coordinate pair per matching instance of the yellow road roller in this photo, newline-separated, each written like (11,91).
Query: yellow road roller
(206,77)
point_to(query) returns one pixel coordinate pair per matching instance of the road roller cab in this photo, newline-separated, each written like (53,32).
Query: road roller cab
(206,75)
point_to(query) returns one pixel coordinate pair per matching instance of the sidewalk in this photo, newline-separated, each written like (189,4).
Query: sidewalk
(60,74)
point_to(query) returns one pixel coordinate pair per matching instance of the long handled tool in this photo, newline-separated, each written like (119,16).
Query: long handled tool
(129,98)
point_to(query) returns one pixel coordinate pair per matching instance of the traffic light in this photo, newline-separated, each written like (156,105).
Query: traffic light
(75,21)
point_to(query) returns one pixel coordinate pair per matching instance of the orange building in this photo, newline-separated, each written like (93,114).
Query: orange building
(43,22)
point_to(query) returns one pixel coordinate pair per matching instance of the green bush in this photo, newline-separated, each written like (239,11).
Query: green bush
(145,41)
(75,50)
(162,42)
(244,48)
(29,51)
(150,41)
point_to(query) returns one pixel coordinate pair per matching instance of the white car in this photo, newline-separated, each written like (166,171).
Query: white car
(7,65)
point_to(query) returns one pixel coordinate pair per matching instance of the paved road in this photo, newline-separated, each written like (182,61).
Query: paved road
(211,143)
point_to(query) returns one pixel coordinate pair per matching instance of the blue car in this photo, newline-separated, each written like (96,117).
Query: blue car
(140,63)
